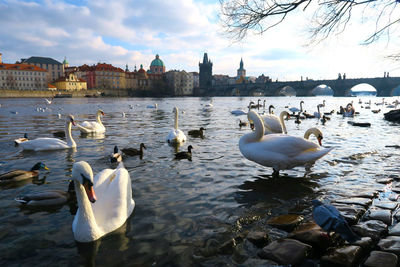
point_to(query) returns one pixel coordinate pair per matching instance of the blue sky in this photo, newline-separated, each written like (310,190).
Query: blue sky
(132,31)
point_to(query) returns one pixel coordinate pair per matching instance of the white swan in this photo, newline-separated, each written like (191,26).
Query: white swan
(238,112)
(97,126)
(317,114)
(113,206)
(209,106)
(294,109)
(273,124)
(52,143)
(176,136)
(279,151)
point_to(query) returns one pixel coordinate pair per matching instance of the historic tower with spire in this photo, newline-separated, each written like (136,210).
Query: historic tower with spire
(205,73)
(241,72)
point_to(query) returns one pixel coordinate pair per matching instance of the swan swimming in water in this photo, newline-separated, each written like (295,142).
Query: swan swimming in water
(176,136)
(98,217)
(52,143)
(279,151)
(97,126)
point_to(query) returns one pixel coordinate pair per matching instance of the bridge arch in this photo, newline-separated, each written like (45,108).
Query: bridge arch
(287,91)
(363,89)
(322,89)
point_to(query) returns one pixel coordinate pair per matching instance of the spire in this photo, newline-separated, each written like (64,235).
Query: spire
(205,58)
(241,63)
(126,69)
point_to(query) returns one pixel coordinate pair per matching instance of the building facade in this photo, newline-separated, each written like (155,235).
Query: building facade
(180,82)
(54,68)
(70,82)
(102,76)
(22,77)
(241,72)
(205,72)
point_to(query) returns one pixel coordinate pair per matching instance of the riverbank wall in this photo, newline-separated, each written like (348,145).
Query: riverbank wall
(50,94)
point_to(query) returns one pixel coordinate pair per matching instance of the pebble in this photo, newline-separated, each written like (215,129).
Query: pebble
(355,200)
(380,258)
(390,244)
(286,222)
(345,256)
(373,228)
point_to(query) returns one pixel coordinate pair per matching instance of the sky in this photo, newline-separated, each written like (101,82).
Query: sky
(132,32)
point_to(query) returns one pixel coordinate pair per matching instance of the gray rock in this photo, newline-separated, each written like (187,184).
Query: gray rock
(352,213)
(286,251)
(286,222)
(396,215)
(364,194)
(366,243)
(390,244)
(258,238)
(380,258)
(344,257)
(312,234)
(373,228)
(380,215)
(258,263)
(355,200)
(390,205)
(395,230)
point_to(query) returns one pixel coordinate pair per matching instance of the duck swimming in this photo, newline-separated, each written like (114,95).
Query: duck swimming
(279,151)
(133,151)
(47,198)
(185,155)
(116,155)
(197,133)
(20,175)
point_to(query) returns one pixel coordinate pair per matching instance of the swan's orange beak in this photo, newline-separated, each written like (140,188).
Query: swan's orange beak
(90,192)
(102,113)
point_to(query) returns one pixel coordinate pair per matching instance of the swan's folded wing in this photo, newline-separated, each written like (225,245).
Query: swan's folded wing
(291,146)
(272,122)
(44,144)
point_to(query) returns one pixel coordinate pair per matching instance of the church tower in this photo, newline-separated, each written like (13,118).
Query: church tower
(205,72)
(241,72)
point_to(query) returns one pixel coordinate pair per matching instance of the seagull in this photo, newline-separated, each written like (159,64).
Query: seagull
(330,219)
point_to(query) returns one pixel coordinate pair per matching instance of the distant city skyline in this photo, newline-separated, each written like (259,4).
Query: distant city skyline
(133,32)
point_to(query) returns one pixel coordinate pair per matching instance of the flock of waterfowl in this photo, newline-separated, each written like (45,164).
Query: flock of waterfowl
(268,144)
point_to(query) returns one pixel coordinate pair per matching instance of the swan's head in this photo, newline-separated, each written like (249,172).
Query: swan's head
(83,174)
(100,112)
(39,166)
(142,146)
(315,131)
(116,156)
(71,119)
(301,102)
(175,110)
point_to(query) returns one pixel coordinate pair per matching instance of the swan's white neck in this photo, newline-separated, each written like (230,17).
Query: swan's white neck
(176,120)
(86,225)
(283,113)
(98,118)
(256,135)
(68,135)
(301,106)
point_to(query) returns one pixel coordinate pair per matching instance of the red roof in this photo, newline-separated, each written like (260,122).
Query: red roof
(51,86)
(100,67)
(25,67)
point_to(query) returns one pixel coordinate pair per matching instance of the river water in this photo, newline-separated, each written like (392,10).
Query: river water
(181,206)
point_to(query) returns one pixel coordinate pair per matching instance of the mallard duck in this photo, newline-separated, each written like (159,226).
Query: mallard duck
(60,134)
(133,151)
(197,133)
(184,154)
(242,123)
(19,175)
(21,139)
(47,198)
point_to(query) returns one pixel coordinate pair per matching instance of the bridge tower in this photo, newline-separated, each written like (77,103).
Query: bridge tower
(205,73)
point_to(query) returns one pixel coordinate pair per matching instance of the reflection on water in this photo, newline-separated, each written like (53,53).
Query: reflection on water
(182,206)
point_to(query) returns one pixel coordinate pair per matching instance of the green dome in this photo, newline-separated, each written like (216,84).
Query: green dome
(157,62)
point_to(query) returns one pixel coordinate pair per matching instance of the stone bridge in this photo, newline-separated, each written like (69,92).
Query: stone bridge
(341,87)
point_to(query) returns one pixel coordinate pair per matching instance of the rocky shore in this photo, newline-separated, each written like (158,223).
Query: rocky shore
(296,240)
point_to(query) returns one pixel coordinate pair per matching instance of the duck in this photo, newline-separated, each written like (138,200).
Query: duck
(185,154)
(116,155)
(375,110)
(47,198)
(324,119)
(20,175)
(279,151)
(242,123)
(176,136)
(97,126)
(97,217)
(45,143)
(297,120)
(21,139)
(60,134)
(273,124)
(197,133)
(133,151)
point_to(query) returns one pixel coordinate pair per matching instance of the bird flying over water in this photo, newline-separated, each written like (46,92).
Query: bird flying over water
(330,219)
